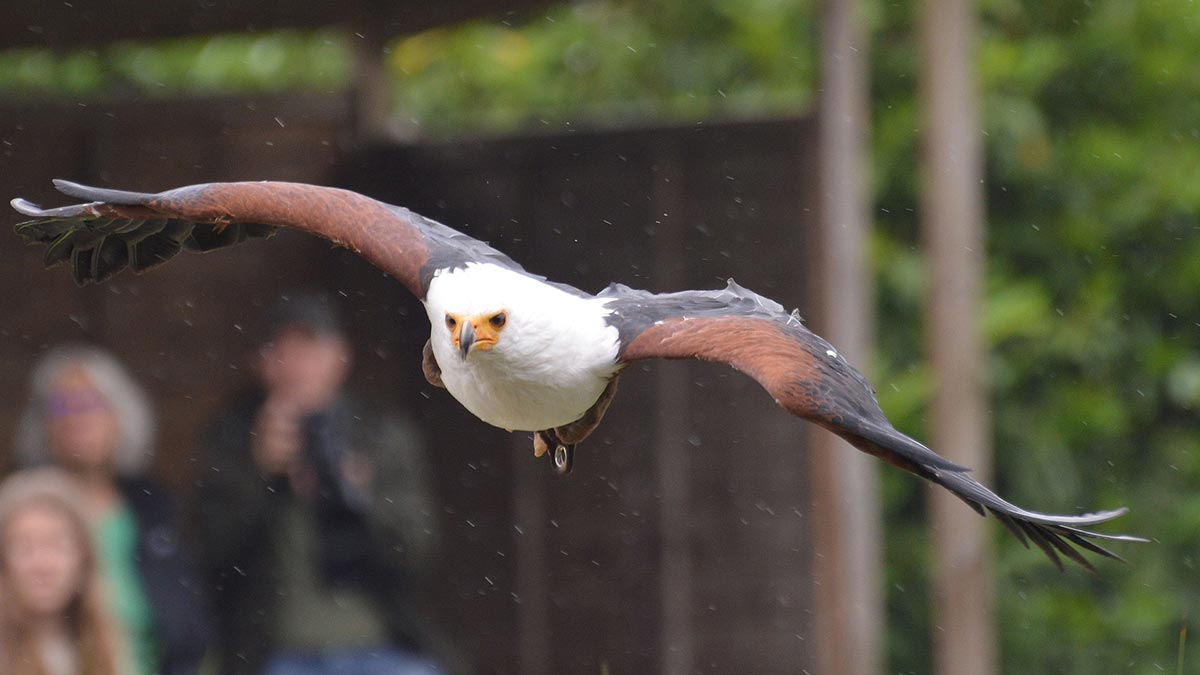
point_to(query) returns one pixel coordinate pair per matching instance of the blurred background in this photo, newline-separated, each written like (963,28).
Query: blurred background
(675,143)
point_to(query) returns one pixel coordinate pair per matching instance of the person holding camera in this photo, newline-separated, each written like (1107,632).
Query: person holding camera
(314,518)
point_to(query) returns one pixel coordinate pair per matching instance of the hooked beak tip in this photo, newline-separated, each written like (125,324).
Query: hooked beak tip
(466,339)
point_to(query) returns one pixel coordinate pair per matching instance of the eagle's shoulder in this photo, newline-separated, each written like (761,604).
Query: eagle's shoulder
(634,310)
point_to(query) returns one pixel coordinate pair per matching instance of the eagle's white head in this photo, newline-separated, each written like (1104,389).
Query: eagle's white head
(507,341)
(486,313)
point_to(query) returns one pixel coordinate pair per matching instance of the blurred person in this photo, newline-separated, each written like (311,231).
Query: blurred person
(53,617)
(315,520)
(87,416)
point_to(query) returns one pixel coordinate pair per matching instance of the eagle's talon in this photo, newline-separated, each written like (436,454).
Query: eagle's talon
(564,459)
(539,445)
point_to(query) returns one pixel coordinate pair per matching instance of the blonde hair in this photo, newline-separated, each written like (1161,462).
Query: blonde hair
(93,629)
(128,401)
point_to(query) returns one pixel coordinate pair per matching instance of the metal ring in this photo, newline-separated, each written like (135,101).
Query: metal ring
(561,457)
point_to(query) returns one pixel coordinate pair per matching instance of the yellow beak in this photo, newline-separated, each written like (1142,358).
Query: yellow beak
(474,332)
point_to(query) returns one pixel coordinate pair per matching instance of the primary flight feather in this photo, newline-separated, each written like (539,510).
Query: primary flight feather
(518,351)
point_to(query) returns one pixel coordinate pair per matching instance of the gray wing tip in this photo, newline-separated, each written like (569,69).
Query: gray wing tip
(26,207)
(78,190)
(95,194)
(74,211)
(1096,517)
(1072,523)
(1104,517)
(67,187)
(1120,537)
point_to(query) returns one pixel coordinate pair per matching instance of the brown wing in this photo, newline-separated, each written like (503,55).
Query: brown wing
(810,379)
(118,229)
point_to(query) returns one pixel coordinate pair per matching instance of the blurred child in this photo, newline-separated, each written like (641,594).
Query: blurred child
(53,619)
(86,415)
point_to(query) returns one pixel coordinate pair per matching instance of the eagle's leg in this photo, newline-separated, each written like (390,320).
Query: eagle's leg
(429,364)
(564,439)
(563,456)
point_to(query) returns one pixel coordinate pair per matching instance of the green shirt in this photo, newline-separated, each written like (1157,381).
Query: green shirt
(117,538)
(314,616)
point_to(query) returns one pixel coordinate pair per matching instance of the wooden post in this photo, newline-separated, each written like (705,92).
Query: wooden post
(952,211)
(847,530)
(671,468)
(372,85)
(532,571)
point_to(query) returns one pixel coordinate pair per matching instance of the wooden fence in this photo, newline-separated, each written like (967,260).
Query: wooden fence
(680,543)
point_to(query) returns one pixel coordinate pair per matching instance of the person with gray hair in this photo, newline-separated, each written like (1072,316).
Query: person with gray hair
(90,372)
(86,414)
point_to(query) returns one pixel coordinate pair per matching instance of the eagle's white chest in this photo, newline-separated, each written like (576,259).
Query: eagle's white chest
(551,362)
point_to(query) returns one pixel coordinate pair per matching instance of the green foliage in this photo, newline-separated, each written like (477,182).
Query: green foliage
(281,61)
(609,63)
(1091,116)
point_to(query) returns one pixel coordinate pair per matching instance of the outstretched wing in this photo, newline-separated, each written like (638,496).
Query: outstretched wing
(117,229)
(810,379)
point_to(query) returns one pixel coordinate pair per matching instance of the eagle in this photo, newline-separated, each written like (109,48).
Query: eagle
(517,350)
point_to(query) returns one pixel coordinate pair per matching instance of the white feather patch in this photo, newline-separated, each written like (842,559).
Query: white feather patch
(553,359)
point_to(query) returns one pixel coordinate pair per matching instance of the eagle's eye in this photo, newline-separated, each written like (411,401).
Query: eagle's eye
(498,320)
(450,322)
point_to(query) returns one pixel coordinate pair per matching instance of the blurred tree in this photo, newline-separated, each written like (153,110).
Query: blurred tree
(611,63)
(1092,134)
(281,61)
(1090,127)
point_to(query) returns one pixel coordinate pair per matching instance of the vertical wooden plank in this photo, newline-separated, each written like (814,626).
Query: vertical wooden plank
(529,545)
(671,393)
(371,83)
(952,208)
(847,530)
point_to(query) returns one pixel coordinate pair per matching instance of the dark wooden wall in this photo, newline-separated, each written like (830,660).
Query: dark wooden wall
(682,536)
